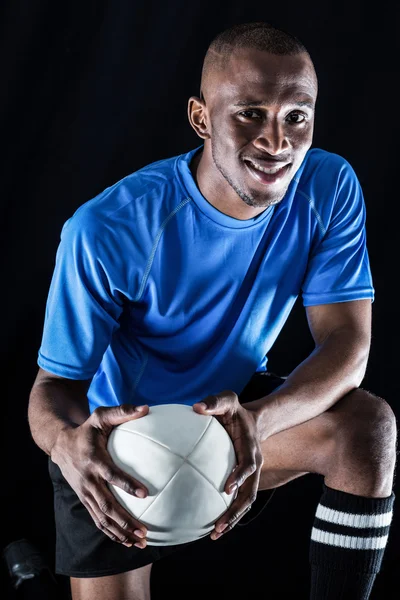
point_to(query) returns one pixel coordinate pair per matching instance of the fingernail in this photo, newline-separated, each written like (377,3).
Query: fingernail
(127,544)
(202,405)
(221,528)
(139,533)
(232,488)
(140,493)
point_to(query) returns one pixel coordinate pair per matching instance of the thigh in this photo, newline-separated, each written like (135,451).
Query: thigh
(134,585)
(358,418)
(308,447)
(302,449)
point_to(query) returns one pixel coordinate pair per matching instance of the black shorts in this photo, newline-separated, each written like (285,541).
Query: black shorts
(83,550)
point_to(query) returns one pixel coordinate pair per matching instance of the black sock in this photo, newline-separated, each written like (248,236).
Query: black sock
(348,541)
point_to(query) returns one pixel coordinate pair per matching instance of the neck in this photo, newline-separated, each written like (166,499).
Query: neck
(235,208)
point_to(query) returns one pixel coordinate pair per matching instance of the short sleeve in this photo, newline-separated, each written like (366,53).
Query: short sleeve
(84,301)
(338,269)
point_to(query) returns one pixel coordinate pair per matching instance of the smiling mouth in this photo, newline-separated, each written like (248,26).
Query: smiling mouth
(266,178)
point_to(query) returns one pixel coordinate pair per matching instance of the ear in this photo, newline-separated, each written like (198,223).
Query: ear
(198,117)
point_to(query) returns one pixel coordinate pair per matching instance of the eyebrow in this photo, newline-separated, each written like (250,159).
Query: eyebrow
(307,103)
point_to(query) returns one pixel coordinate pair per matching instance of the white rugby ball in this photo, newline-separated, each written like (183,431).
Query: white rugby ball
(184,459)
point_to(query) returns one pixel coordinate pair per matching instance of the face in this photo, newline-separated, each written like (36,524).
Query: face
(259,115)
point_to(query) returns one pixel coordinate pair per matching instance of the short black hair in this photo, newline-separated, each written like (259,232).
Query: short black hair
(259,35)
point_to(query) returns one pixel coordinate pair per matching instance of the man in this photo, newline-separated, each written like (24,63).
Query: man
(173,284)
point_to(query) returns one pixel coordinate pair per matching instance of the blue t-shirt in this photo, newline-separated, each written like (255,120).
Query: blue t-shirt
(164,299)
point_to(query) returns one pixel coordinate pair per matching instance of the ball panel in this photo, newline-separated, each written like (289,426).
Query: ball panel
(215,458)
(145,460)
(177,426)
(186,509)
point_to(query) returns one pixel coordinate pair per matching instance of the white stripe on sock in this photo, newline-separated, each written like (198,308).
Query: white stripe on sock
(348,541)
(352,519)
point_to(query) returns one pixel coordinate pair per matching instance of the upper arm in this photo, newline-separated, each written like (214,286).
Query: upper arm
(338,269)
(85,301)
(81,385)
(355,315)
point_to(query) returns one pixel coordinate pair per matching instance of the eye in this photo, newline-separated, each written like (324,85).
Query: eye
(298,114)
(243,112)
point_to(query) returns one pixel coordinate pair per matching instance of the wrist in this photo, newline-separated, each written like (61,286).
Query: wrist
(57,448)
(262,410)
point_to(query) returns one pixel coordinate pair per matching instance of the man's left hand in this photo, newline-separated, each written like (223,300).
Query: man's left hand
(241,426)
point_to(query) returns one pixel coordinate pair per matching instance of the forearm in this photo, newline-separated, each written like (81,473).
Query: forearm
(54,406)
(332,370)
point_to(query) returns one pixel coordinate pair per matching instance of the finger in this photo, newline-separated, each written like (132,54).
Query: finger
(217,404)
(241,473)
(123,533)
(240,506)
(236,511)
(106,418)
(232,516)
(248,457)
(111,473)
(109,505)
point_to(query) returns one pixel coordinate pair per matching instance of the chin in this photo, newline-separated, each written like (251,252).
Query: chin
(263,197)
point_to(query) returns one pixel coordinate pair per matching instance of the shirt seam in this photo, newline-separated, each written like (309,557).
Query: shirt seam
(155,245)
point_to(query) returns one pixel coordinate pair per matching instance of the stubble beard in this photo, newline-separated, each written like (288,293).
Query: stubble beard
(257,200)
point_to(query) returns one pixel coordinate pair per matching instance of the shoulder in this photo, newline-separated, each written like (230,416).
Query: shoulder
(139,201)
(328,183)
(321,168)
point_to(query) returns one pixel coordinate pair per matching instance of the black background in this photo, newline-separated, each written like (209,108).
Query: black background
(92,91)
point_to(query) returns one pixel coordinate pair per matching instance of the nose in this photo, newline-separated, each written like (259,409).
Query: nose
(272,138)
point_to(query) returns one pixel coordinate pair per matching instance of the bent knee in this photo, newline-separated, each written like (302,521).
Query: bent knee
(367,428)
(373,413)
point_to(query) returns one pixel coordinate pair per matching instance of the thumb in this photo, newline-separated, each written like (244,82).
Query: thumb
(201,405)
(107,417)
(216,404)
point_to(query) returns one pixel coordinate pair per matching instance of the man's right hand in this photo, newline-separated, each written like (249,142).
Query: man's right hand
(81,454)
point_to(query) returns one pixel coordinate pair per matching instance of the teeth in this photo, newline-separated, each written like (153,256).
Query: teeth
(270,171)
